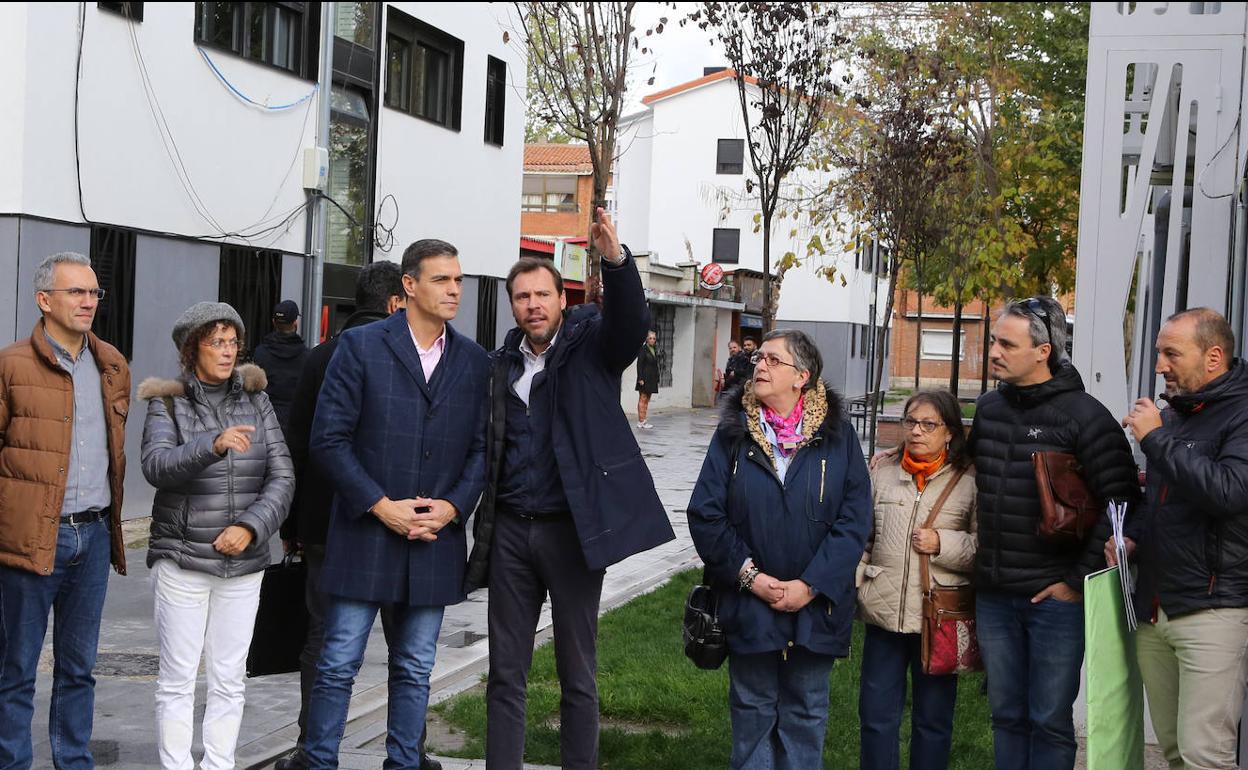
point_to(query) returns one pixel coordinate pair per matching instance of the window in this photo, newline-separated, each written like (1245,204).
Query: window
(548,194)
(282,35)
(346,241)
(853,341)
(424,70)
(866,341)
(726,246)
(355,22)
(132,11)
(663,321)
(487,311)
(730,158)
(938,345)
(112,259)
(250,281)
(495,100)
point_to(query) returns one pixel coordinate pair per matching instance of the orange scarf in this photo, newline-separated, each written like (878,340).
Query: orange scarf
(921,470)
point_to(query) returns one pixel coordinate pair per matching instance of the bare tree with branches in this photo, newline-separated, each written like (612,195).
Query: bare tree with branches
(578,74)
(786,61)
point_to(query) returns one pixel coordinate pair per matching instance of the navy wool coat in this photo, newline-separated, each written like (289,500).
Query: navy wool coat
(615,507)
(381,430)
(812,526)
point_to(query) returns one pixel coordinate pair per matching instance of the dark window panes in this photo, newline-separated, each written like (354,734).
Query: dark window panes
(663,321)
(495,100)
(730,156)
(250,281)
(277,34)
(398,65)
(424,71)
(132,11)
(112,259)
(726,245)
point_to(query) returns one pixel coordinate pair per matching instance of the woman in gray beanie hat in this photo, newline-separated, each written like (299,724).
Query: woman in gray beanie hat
(213,450)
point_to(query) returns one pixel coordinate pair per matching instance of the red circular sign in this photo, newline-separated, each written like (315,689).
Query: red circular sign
(712,277)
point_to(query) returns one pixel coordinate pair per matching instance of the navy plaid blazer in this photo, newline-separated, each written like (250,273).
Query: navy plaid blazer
(381,430)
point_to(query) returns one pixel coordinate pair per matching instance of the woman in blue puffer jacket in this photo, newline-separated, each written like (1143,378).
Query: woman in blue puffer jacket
(780,515)
(214,451)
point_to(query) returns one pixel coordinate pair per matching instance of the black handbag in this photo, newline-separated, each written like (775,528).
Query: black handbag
(281,620)
(705,643)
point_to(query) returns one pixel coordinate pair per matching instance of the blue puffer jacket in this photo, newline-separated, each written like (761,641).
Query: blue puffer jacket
(199,492)
(814,526)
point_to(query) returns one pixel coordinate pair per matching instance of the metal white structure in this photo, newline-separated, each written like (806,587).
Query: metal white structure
(1162,200)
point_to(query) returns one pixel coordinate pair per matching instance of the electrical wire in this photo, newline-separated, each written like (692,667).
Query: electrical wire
(244,97)
(383,235)
(82,31)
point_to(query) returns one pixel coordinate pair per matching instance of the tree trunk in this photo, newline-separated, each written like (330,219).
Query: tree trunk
(956,363)
(768,308)
(983,381)
(880,335)
(918,342)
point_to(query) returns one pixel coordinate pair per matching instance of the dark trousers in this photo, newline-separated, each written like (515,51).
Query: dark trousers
(529,559)
(886,657)
(1032,657)
(314,561)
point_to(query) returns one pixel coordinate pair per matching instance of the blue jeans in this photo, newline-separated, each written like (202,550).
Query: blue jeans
(1032,656)
(413,640)
(75,592)
(779,709)
(882,695)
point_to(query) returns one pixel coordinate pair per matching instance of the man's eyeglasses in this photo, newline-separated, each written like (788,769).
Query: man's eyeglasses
(927,426)
(78,293)
(771,358)
(220,344)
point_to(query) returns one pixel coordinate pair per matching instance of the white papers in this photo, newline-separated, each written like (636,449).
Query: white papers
(1117,513)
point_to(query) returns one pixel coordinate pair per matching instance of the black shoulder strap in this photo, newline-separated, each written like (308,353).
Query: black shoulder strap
(173,416)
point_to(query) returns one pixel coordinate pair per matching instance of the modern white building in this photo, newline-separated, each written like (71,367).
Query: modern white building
(169,141)
(681,194)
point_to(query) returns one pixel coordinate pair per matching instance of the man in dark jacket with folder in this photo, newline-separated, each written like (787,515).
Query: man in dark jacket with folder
(568,492)
(1029,614)
(1192,597)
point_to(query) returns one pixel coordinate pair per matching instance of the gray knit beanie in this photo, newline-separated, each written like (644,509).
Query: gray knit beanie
(203,313)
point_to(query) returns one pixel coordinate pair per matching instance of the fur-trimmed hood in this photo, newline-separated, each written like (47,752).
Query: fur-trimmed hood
(248,377)
(741,414)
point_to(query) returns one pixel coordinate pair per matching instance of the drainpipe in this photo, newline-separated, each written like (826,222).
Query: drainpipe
(314,276)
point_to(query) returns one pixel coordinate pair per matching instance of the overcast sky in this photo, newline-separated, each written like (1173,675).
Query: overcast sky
(679,53)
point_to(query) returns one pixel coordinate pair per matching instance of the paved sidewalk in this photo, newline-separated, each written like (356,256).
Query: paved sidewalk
(125,729)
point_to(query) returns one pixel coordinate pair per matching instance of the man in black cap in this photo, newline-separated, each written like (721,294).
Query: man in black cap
(281,356)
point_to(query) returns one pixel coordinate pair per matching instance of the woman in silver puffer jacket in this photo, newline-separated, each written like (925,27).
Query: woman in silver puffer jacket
(214,451)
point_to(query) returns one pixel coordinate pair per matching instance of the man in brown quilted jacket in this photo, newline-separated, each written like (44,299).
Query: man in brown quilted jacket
(64,395)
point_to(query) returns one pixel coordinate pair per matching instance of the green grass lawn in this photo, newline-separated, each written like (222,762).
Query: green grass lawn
(659,712)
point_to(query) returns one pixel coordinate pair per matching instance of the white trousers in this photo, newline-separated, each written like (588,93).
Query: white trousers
(196,614)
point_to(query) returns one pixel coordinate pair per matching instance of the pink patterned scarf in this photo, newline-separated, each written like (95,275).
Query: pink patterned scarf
(788,429)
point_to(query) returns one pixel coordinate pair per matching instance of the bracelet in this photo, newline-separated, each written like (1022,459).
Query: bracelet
(746,581)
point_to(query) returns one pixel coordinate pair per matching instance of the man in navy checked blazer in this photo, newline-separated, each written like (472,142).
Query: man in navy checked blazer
(400,432)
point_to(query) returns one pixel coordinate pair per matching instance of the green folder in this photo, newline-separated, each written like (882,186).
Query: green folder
(1114,690)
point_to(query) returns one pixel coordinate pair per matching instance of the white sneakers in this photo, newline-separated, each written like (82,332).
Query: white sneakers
(645,424)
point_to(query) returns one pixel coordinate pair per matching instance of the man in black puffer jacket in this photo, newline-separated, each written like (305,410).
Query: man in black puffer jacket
(1193,552)
(281,356)
(1029,610)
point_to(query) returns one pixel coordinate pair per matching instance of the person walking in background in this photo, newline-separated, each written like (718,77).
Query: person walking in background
(933,465)
(647,377)
(780,516)
(214,451)
(281,355)
(1192,594)
(737,370)
(568,492)
(64,396)
(399,431)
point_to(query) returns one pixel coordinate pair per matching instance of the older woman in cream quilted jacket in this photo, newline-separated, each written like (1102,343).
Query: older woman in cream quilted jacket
(905,488)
